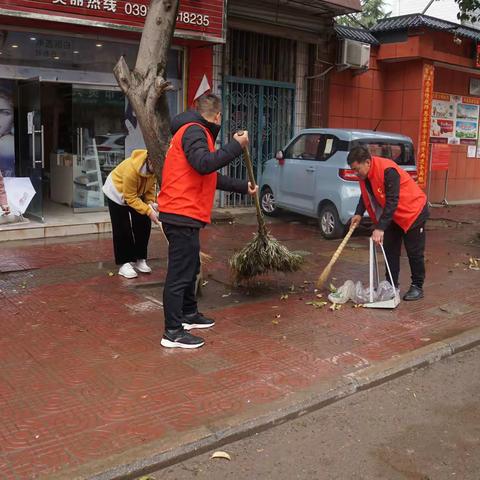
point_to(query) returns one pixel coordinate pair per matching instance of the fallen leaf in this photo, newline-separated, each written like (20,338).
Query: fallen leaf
(317,304)
(221,454)
(358,305)
(111,274)
(204,283)
(146,477)
(284,297)
(335,306)
(319,295)
(225,295)
(275,322)
(292,288)
(332,288)
(277,316)
(474,263)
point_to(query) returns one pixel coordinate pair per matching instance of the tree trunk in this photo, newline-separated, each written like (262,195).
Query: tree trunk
(145,85)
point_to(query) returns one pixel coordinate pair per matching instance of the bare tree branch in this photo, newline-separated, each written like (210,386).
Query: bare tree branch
(145,86)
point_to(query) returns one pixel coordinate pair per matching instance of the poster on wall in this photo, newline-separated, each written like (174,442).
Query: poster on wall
(7,139)
(454,119)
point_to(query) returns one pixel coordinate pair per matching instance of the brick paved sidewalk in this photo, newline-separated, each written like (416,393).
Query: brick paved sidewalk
(82,375)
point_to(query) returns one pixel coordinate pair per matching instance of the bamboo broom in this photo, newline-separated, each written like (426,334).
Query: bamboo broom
(327,270)
(264,252)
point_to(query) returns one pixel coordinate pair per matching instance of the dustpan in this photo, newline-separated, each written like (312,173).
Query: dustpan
(375,280)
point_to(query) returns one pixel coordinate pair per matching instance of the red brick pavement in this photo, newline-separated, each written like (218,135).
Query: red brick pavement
(82,376)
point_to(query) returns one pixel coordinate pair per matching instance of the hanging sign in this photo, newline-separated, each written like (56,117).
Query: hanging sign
(200,19)
(427,92)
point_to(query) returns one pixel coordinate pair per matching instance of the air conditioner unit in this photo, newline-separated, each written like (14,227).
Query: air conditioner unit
(354,54)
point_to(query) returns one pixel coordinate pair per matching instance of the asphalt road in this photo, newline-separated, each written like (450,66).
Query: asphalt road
(423,426)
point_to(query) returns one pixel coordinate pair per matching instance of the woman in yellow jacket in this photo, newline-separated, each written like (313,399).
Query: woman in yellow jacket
(130,192)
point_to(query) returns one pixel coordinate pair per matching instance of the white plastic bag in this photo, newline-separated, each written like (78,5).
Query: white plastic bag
(344,293)
(357,293)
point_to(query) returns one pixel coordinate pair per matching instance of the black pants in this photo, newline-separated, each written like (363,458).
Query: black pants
(414,240)
(131,233)
(183,268)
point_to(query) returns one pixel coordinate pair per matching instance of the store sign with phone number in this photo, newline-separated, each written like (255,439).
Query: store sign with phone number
(202,19)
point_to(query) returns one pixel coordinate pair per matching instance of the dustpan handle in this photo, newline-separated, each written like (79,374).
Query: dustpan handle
(388,267)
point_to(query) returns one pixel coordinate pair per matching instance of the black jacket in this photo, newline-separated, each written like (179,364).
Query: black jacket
(195,146)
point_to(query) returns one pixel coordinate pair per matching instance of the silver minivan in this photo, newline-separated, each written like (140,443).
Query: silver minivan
(311,175)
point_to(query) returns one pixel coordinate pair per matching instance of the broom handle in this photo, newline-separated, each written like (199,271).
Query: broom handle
(262,228)
(340,248)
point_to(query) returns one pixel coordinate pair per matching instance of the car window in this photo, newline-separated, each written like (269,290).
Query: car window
(329,145)
(304,147)
(400,152)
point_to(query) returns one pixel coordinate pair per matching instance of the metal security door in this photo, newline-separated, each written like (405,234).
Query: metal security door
(266,109)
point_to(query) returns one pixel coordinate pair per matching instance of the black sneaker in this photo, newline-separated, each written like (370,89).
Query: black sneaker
(414,293)
(180,339)
(196,320)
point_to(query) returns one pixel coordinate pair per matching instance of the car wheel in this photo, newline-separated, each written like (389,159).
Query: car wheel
(267,202)
(329,222)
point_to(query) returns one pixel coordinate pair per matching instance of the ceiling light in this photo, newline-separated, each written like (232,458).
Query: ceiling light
(14,46)
(33,38)
(56,58)
(99,45)
(76,51)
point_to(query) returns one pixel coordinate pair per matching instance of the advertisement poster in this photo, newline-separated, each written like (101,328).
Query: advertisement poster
(7,140)
(454,119)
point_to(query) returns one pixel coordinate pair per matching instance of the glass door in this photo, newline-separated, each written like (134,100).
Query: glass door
(98,116)
(31,142)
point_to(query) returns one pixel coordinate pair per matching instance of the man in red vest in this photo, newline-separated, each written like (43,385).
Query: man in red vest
(398,209)
(185,202)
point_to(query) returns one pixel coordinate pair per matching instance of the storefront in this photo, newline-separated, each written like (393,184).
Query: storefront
(64,123)
(423,81)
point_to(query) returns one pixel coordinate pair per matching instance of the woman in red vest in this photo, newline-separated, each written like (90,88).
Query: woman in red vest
(185,202)
(398,209)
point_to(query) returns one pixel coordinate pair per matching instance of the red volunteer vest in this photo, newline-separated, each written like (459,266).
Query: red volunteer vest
(184,191)
(411,200)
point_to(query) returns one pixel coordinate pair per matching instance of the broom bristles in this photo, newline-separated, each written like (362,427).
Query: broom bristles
(263,254)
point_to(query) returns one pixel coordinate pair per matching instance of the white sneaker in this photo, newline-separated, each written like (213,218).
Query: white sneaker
(127,271)
(141,266)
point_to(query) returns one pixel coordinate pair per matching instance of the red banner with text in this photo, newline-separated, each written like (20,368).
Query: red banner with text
(203,19)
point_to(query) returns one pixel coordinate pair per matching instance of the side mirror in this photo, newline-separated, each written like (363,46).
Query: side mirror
(280,157)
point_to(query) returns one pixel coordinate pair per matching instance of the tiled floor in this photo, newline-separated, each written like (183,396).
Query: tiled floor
(82,375)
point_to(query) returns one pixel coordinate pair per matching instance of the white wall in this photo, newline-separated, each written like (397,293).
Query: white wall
(444,9)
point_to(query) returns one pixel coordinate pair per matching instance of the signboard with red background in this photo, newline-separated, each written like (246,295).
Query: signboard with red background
(200,19)
(440,156)
(427,93)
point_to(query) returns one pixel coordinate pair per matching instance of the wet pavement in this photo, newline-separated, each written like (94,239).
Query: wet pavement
(82,375)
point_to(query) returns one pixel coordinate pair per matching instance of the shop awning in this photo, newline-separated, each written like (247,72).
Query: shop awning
(357,34)
(330,7)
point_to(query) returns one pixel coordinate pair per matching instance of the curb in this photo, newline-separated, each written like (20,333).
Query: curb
(142,460)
